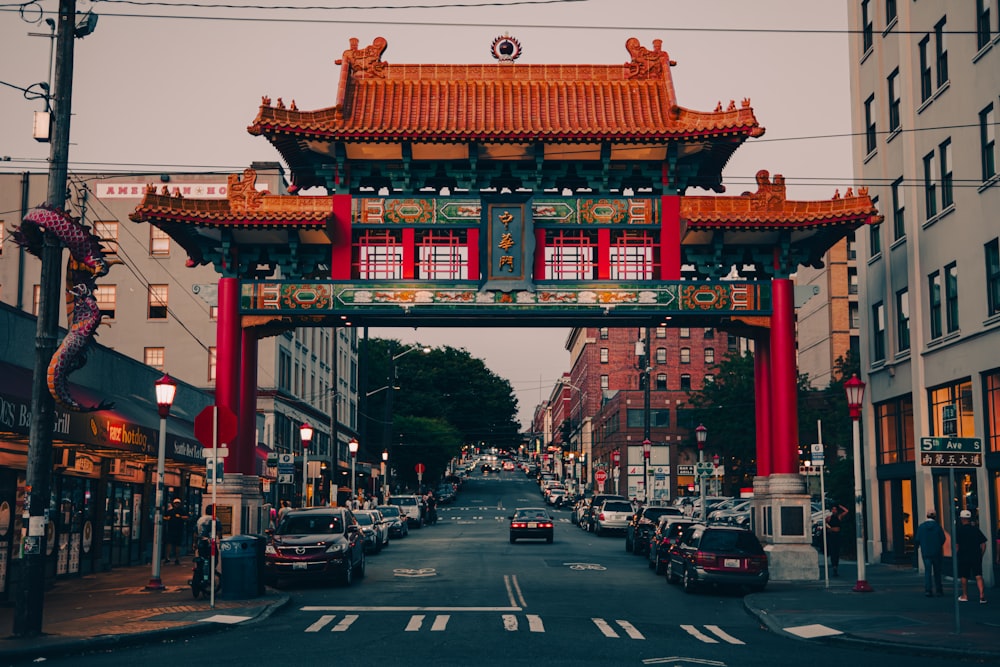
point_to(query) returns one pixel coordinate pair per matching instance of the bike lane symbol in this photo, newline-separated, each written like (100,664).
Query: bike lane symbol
(585,566)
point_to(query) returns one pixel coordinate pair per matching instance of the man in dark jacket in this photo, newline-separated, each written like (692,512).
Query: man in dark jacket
(930,540)
(971,547)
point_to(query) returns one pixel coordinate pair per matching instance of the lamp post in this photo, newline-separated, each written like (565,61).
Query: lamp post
(165,389)
(716,475)
(352,447)
(306,433)
(701,435)
(642,351)
(855,390)
(385,478)
(616,457)
(646,444)
(391,382)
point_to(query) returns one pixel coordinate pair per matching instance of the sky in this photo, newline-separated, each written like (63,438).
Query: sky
(172,86)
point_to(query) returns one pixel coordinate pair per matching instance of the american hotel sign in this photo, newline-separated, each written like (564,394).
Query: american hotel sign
(187,189)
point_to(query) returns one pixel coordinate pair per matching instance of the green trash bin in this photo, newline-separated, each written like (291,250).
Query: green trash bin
(238,555)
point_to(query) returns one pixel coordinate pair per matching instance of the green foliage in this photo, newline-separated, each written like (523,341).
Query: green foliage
(432,442)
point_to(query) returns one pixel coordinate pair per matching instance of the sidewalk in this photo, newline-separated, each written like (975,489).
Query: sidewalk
(896,616)
(114,609)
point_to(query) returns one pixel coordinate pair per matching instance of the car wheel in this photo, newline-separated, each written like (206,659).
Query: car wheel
(672,577)
(360,573)
(689,582)
(347,576)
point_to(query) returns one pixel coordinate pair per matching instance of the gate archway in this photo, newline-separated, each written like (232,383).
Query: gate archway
(514,195)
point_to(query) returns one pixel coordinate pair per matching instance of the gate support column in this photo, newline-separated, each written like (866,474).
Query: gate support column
(762,417)
(790,552)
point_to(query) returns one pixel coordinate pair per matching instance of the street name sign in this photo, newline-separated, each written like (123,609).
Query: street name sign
(970,445)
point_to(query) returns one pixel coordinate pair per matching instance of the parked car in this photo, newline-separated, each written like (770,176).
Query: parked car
(580,507)
(612,515)
(319,543)
(642,524)
(735,512)
(587,520)
(374,529)
(398,525)
(555,494)
(667,534)
(718,555)
(531,523)
(413,508)
(694,509)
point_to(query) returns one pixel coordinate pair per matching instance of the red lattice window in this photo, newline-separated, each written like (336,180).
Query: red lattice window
(380,255)
(442,255)
(571,254)
(632,256)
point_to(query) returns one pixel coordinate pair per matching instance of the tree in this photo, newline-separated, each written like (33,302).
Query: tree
(433,442)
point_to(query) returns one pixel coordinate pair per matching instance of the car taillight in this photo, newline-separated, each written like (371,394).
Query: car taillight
(704,559)
(518,524)
(600,517)
(545,524)
(757,563)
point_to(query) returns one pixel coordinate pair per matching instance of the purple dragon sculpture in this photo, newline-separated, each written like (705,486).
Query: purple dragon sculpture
(85,266)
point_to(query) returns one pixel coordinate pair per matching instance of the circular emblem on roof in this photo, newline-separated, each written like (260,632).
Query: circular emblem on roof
(506,49)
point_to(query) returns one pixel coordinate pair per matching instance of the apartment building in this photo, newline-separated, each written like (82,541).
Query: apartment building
(925,86)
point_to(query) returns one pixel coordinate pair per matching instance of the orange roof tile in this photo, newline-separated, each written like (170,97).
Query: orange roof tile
(634,101)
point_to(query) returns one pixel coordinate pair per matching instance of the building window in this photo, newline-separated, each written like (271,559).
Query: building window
(284,370)
(603,333)
(944,156)
(708,379)
(685,332)
(940,53)
(894,101)
(951,297)
(107,233)
(633,256)
(894,436)
(951,410)
(36,295)
(878,332)
(3,235)
(930,185)
(871,138)
(661,331)
(212,361)
(107,300)
(685,355)
(898,219)
(852,280)
(442,255)
(380,255)
(159,242)
(988,142)
(925,69)
(903,319)
(571,255)
(153,356)
(661,355)
(853,312)
(661,382)
(604,355)
(708,333)
(983,29)
(867,30)
(875,234)
(991,410)
(157,302)
(604,382)
(934,304)
(993,277)
(685,382)
(213,312)
(709,355)
(890,11)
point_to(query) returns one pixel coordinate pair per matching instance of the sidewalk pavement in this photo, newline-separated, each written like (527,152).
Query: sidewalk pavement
(896,616)
(110,609)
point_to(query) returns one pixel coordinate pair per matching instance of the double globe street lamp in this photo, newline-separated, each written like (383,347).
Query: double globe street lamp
(165,389)
(352,447)
(306,434)
(855,390)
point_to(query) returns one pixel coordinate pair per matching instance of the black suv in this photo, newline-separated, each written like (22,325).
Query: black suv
(323,542)
(643,523)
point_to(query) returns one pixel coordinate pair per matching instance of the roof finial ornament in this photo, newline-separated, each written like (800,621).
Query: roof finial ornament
(646,63)
(366,62)
(506,49)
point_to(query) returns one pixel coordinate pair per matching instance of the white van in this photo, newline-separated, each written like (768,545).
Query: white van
(410,507)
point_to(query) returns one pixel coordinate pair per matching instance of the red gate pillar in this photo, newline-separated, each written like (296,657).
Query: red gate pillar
(762,401)
(784,380)
(246,449)
(227,352)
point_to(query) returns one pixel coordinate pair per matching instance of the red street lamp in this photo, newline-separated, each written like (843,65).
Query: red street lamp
(352,447)
(165,389)
(646,444)
(306,433)
(700,436)
(855,390)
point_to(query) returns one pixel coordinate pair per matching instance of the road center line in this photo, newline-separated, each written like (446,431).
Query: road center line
(375,608)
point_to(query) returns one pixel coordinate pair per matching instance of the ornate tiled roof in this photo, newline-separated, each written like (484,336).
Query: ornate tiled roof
(506,102)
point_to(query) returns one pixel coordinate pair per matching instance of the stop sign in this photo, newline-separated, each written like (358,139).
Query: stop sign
(203,426)
(420,468)
(600,476)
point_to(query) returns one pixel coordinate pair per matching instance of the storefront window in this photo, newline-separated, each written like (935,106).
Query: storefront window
(894,439)
(991,410)
(951,410)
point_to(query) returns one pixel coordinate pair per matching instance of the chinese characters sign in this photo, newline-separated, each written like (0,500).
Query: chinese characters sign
(508,254)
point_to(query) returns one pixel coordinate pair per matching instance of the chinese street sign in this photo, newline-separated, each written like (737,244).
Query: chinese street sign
(951,459)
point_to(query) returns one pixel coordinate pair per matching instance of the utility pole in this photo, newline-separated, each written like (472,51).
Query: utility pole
(29,599)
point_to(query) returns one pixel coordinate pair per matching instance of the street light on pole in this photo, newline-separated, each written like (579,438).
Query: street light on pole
(165,389)
(701,435)
(385,478)
(642,351)
(306,433)
(855,390)
(616,458)
(352,447)
(391,385)
(646,444)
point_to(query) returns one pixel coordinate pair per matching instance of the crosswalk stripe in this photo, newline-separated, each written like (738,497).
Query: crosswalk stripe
(694,632)
(440,622)
(344,623)
(510,622)
(321,623)
(535,623)
(605,629)
(630,630)
(723,635)
(415,622)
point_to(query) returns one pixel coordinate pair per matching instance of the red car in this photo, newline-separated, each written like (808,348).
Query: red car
(718,555)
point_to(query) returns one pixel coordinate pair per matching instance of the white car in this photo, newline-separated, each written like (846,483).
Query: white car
(613,515)
(411,507)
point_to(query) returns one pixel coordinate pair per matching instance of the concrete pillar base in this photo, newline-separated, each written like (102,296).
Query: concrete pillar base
(239,496)
(792,562)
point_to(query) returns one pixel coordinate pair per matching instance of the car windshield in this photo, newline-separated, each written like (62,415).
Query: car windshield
(532,514)
(389,511)
(406,501)
(654,513)
(617,506)
(364,519)
(321,524)
(730,541)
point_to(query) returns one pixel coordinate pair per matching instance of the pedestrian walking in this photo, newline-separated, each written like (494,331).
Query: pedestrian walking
(834,521)
(285,506)
(930,540)
(175,520)
(971,545)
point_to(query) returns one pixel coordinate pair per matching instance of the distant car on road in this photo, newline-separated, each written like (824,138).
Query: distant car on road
(612,515)
(531,523)
(398,526)
(412,507)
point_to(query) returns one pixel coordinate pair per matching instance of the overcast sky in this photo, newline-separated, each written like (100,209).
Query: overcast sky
(173,88)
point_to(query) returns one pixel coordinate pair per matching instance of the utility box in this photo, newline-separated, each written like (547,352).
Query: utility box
(241,574)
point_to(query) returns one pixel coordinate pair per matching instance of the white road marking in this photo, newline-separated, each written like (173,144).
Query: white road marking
(510,622)
(228,619)
(535,623)
(321,623)
(415,622)
(676,659)
(375,608)
(440,622)
(723,635)
(630,630)
(697,634)
(605,629)
(345,623)
(812,631)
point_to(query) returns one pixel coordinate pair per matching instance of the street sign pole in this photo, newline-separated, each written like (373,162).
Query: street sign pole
(954,549)
(818,455)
